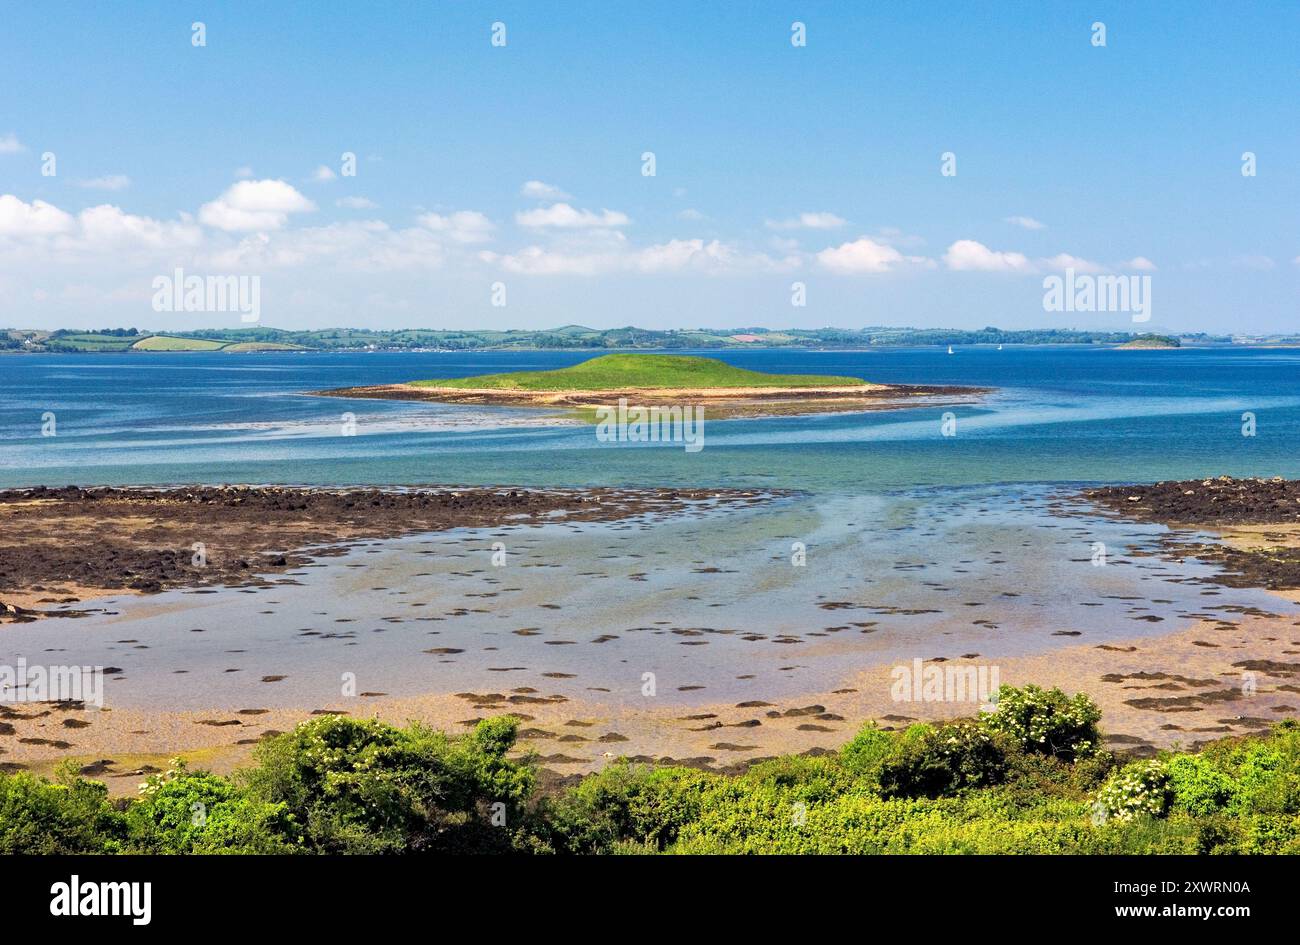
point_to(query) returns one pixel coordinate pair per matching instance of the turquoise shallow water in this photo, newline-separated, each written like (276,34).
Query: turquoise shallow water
(1059,415)
(918,545)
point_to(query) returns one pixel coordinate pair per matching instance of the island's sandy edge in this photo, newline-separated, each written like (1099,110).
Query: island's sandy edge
(720,402)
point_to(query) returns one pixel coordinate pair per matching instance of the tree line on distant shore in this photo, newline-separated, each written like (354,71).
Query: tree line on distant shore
(571,337)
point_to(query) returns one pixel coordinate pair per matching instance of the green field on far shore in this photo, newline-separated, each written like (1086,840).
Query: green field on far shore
(177,343)
(170,343)
(665,371)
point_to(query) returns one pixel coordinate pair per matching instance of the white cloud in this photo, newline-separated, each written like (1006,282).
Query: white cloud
(691,215)
(107,182)
(859,256)
(536,261)
(254,205)
(323,174)
(566,217)
(808,221)
(1140,263)
(51,234)
(356,203)
(969,255)
(38,218)
(244,172)
(536,190)
(693,255)
(1257,263)
(9,144)
(973,256)
(463,226)
(1063,261)
(1028,223)
(107,226)
(677,255)
(359,246)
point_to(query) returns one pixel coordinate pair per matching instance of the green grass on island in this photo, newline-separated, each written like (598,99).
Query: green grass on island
(664,371)
(261,346)
(1030,777)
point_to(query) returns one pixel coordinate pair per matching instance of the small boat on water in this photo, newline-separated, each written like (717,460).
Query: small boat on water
(950,349)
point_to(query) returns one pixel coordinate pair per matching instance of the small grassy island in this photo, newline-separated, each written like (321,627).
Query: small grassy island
(1150,342)
(663,379)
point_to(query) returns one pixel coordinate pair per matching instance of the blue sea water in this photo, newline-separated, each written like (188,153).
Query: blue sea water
(1059,414)
(918,545)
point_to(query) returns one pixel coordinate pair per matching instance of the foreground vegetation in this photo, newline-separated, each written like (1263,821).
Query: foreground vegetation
(666,371)
(571,337)
(1027,778)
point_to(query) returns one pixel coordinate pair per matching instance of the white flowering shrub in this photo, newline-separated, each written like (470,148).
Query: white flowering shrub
(1046,721)
(1136,791)
(178,768)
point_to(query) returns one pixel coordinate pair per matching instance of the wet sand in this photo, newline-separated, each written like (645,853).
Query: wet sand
(1196,685)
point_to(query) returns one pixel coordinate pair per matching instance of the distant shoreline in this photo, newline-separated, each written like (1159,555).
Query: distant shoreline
(572,338)
(827,349)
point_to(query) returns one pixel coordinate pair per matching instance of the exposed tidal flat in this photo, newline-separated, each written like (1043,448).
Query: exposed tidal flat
(969,549)
(747,654)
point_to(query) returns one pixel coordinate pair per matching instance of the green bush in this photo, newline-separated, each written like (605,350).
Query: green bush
(184,812)
(867,752)
(71,816)
(935,760)
(626,807)
(1046,721)
(1199,786)
(1269,773)
(361,786)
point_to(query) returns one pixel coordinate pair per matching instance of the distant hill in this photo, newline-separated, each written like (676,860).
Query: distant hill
(567,337)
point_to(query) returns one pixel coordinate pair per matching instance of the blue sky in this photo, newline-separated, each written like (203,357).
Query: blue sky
(774,164)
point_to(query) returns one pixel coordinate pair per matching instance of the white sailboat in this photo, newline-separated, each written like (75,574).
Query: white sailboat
(950,349)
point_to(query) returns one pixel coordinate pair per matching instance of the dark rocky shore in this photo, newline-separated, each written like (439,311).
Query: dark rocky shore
(67,543)
(1208,502)
(1271,558)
